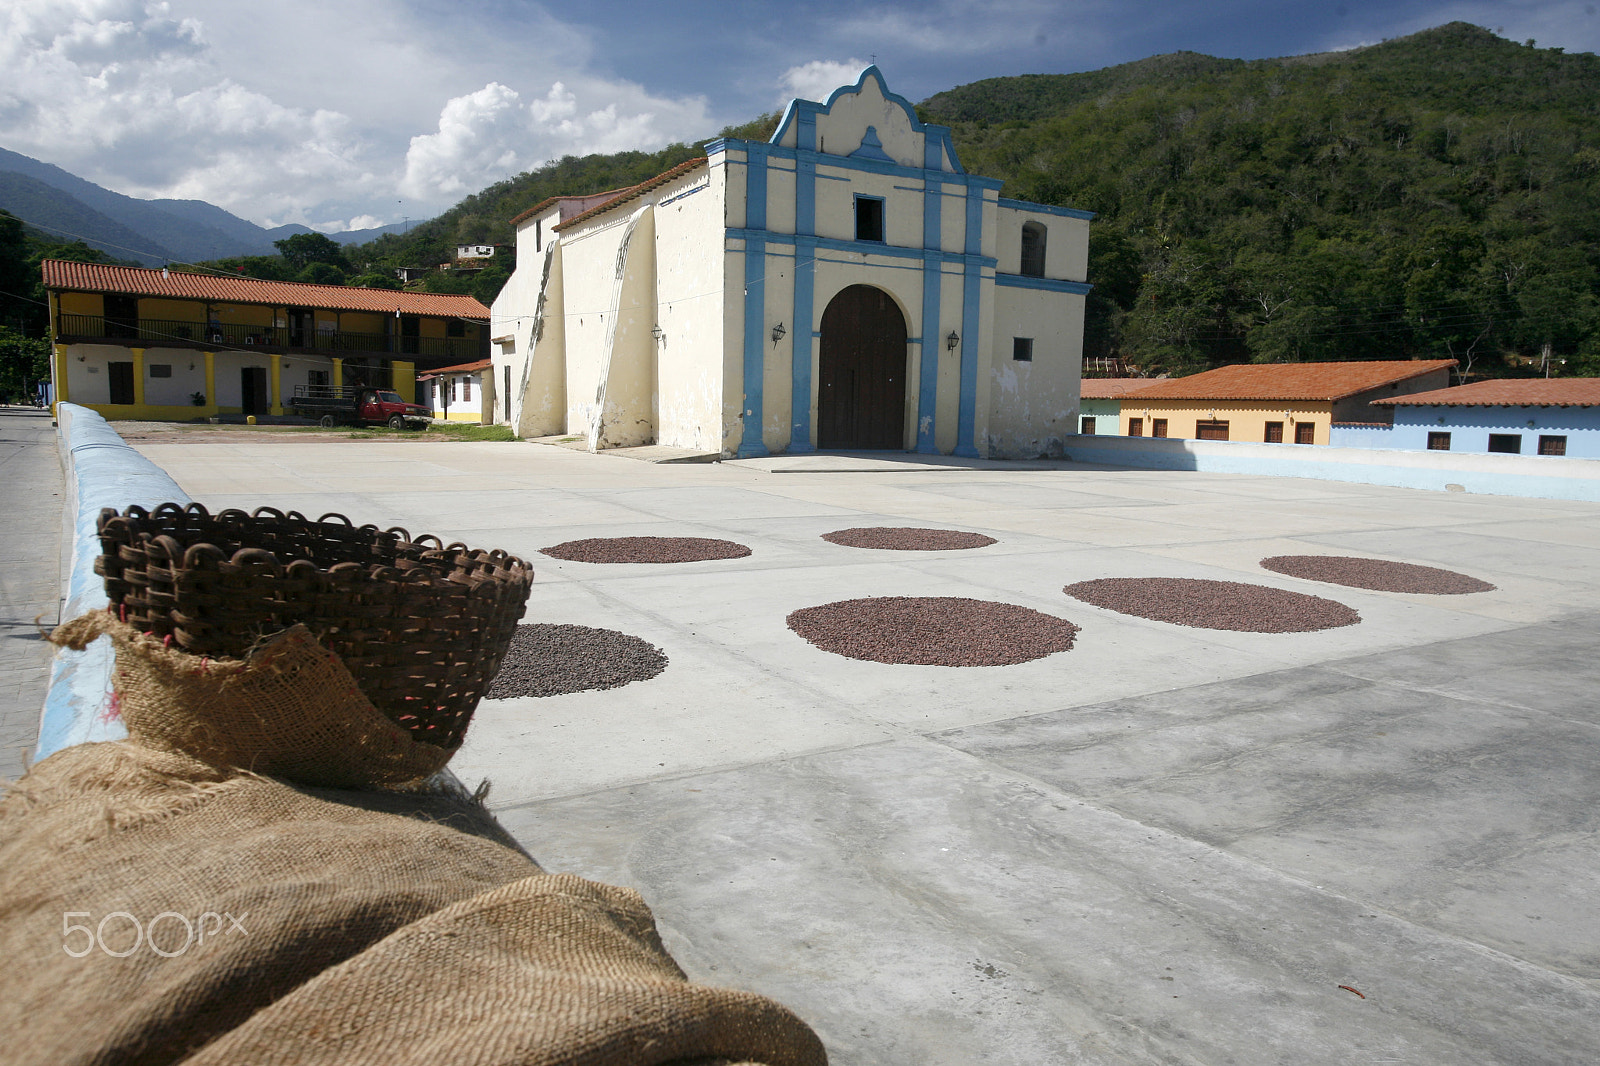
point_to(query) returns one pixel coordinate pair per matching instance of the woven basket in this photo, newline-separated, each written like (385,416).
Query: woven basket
(421,625)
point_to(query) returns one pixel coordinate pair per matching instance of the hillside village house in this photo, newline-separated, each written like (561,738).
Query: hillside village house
(1517,416)
(844,285)
(1278,403)
(1100,402)
(462,393)
(137,343)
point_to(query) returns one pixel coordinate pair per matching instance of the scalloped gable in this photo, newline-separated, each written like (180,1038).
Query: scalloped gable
(867,121)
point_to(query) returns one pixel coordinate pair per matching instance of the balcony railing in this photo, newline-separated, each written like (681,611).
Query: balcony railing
(157,332)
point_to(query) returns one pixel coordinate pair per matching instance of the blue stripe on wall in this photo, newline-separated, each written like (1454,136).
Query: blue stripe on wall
(800,335)
(928,373)
(967,421)
(755,288)
(1019,281)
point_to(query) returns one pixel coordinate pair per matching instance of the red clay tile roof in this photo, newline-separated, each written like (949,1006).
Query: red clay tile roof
(60,274)
(1510,392)
(1291,381)
(635,192)
(564,200)
(464,368)
(1112,388)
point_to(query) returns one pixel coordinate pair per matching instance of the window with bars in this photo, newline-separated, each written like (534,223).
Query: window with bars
(1158,427)
(1550,445)
(1274,433)
(1086,424)
(1135,427)
(1211,429)
(1438,442)
(466,389)
(1305,433)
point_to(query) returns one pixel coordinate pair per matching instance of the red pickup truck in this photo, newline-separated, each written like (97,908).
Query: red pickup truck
(331,405)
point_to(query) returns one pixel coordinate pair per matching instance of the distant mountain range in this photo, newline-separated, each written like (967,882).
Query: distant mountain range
(65,207)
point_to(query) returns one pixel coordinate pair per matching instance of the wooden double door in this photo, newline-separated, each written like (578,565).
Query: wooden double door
(861,391)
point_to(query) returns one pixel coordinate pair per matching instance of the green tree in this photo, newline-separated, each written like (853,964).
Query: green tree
(321,273)
(24,363)
(303,249)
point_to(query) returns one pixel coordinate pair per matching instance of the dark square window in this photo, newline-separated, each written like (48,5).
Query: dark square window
(1135,427)
(1438,442)
(1305,433)
(1158,427)
(1552,445)
(161,370)
(1022,349)
(869,218)
(1211,429)
(455,328)
(1086,424)
(1274,433)
(1510,443)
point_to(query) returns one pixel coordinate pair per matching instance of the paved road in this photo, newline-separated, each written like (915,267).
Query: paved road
(1168,845)
(30,530)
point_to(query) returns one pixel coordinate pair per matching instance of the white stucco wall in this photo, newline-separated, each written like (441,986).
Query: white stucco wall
(689,294)
(1033,406)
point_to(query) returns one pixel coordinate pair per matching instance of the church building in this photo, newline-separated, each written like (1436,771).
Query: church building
(845,285)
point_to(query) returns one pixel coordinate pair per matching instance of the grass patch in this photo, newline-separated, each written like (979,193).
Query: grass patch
(494,433)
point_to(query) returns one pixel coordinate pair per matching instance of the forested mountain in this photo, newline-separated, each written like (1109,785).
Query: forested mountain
(1433,195)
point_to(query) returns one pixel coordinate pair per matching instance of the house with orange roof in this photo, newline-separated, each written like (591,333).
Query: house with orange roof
(463,393)
(1276,403)
(845,284)
(132,342)
(1100,402)
(1515,416)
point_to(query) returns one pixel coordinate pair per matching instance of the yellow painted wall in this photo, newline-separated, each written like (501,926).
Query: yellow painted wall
(364,322)
(1246,419)
(172,310)
(82,303)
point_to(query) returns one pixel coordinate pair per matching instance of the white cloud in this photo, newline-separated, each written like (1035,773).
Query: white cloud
(817,79)
(491,134)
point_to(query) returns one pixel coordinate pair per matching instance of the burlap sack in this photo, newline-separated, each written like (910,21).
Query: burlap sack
(290,709)
(392,928)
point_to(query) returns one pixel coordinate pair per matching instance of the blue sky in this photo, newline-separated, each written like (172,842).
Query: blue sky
(355,113)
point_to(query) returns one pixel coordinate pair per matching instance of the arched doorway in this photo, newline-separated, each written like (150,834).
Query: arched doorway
(861,392)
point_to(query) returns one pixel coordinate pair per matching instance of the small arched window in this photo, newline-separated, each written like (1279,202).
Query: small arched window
(1033,235)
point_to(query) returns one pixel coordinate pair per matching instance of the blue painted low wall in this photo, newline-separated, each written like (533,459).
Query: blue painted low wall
(1543,477)
(101,471)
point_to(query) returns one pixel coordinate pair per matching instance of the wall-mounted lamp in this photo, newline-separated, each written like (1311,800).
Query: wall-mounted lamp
(657,332)
(778,333)
(1531,423)
(951,341)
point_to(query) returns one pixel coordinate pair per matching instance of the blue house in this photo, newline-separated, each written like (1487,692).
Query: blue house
(1517,416)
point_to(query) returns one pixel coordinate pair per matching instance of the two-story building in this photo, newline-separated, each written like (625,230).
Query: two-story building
(846,284)
(132,342)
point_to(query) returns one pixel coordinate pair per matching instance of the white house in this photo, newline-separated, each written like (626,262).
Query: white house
(844,285)
(459,393)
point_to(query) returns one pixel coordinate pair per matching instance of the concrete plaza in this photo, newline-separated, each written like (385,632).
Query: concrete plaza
(1168,845)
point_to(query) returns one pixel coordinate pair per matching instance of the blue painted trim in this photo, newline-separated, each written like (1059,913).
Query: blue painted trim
(755,287)
(928,363)
(802,110)
(755,198)
(967,419)
(1048,209)
(1021,281)
(837,244)
(866,166)
(102,471)
(805,198)
(871,147)
(974,221)
(800,354)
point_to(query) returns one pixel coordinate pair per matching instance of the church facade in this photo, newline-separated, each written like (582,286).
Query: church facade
(845,285)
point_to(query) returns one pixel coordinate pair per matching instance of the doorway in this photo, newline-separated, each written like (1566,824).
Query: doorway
(861,393)
(253,390)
